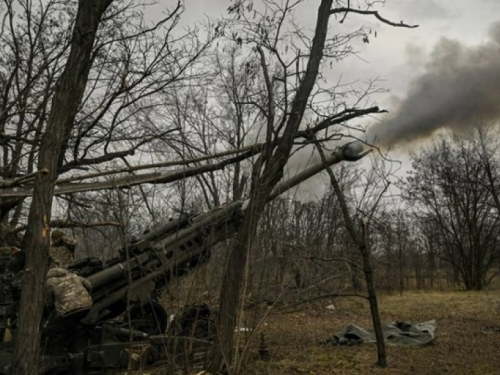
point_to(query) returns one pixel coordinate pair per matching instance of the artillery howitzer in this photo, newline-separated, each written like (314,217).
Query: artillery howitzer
(131,283)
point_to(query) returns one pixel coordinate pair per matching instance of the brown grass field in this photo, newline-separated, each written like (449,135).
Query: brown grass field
(467,337)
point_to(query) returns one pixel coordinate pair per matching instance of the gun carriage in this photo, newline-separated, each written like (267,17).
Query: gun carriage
(131,284)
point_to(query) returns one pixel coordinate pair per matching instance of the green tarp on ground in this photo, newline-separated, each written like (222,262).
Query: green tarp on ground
(400,334)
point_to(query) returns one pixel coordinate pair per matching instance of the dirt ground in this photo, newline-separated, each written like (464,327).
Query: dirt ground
(467,337)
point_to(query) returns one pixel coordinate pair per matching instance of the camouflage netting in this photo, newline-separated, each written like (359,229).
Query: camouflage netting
(399,334)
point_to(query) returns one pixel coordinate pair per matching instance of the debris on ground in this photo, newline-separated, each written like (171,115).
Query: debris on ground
(243,329)
(398,334)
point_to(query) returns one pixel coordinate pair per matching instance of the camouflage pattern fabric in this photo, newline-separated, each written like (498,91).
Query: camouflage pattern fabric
(62,253)
(8,250)
(67,291)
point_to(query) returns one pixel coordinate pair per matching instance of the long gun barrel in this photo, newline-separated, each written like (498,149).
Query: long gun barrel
(132,282)
(182,244)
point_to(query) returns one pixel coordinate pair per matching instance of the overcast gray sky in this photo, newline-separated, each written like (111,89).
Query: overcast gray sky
(397,56)
(394,55)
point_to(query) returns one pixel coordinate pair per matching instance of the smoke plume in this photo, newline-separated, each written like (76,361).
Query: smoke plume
(459,87)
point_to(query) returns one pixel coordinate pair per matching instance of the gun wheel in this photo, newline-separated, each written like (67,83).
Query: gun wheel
(150,318)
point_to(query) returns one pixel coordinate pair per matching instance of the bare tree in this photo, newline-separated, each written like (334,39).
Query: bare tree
(133,63)
(290,79)
(448,190)
(67,98)
(34,42)
(112,72)
(360,237)
(102,78)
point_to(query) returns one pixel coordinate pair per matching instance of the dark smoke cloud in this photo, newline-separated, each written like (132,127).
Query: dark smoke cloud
(460,86)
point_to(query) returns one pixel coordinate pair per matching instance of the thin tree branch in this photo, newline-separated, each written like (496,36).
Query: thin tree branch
(373,13)
(64,188)
(20,180)
(160,165)
(61,223)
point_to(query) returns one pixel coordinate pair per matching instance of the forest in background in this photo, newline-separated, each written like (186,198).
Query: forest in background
(171,120)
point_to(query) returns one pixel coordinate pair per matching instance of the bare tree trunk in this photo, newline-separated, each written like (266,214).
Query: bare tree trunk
(486,158)
(400,263)
(233,280)
(361,242)
(372,298)
(263,183)
(67,98)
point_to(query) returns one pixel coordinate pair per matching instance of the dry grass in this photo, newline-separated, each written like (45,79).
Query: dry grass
(467,337)
(466,341)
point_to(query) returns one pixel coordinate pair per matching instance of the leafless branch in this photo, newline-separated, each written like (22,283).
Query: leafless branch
(21,180)
(373,13)
(61,223)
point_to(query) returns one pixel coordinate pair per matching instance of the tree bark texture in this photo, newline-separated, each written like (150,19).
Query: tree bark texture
(262,186)
(360,241)
(67,98)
